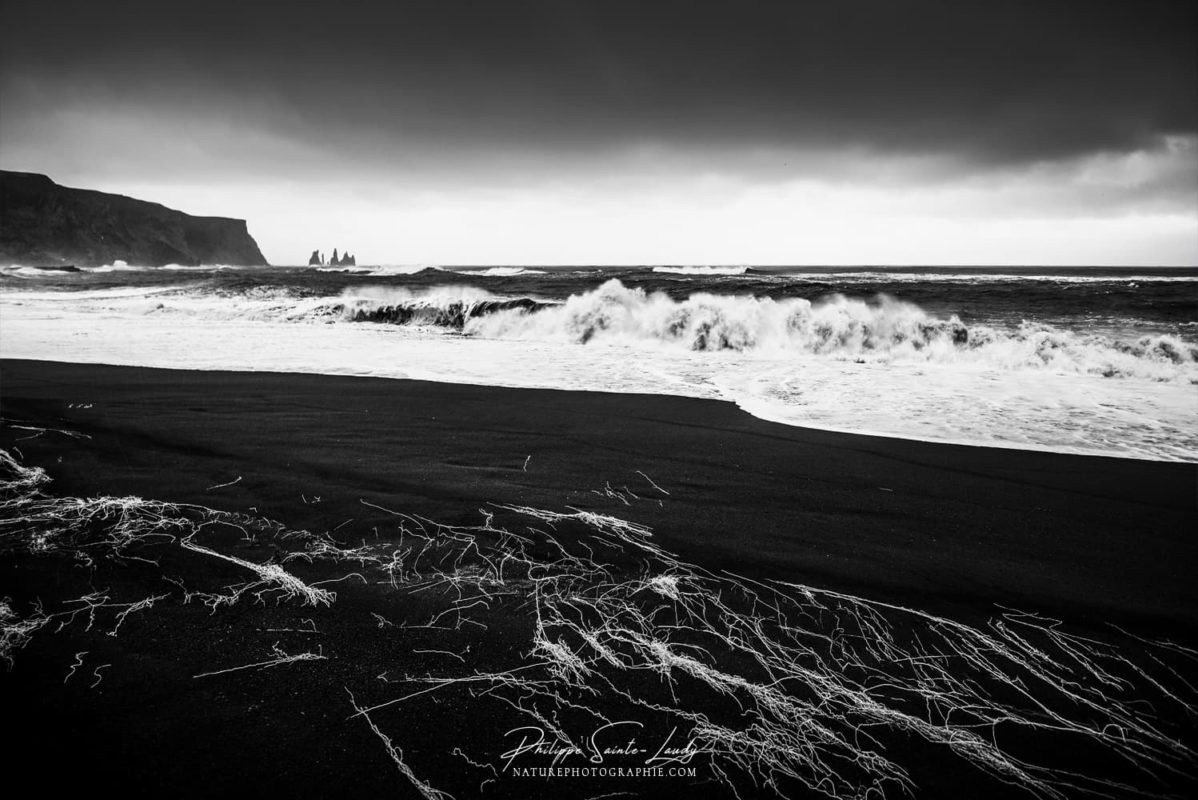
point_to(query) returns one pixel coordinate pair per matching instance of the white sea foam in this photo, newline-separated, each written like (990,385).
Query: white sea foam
(118,266)
(884,366)
(198,267)
(17,271)
(404,269)
(702,270)
(382,269)
(432,296)
(500,272)
(837,327)
(94,299)
(889,276)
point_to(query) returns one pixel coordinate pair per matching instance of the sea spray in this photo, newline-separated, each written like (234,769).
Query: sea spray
(837,326)
(442,306)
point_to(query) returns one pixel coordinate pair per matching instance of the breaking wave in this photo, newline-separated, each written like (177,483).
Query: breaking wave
(976,276)
(870,364)
(500,272)
(18,271)
(118,266)
(703,270)
(347,270)
(443,307)
(883,329)
(382,270)
(404,269)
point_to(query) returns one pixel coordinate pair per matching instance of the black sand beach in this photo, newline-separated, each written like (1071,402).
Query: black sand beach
(958,532)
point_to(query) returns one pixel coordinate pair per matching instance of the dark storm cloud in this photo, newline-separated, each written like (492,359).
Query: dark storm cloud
(993,83)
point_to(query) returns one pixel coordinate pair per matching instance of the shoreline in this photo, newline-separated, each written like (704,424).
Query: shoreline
(781,477)
(942,529)
(1071,387)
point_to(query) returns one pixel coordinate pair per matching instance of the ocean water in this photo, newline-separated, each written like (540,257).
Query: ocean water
(1085,360)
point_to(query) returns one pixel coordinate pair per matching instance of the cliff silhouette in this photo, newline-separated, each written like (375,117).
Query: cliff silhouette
(43,223)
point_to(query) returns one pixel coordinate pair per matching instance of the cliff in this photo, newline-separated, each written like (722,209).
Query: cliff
(42,223)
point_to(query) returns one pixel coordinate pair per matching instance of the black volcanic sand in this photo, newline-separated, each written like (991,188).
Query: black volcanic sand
(952,530)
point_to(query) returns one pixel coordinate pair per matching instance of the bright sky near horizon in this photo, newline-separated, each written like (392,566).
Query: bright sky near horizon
(629,133)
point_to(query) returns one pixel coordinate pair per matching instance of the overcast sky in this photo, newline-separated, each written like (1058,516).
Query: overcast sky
(880,132)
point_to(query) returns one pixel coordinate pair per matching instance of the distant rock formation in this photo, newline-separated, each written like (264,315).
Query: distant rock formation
(42,223)
(346,260)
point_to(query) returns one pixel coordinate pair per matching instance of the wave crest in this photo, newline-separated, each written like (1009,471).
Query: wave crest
(499,272)
(702,270)
(837,326)
(442,306)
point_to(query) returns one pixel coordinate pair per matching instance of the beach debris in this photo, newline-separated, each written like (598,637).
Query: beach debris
(825,677)
(98,677)
(459,656)
(272,577)
(223,485)
(130,608)
(778,686)
(16,632)
(310,630)
(78,663)
(37,431)
(651,482)
(426,791)
(625,495)
(119,526)
(281,657)
(18,482)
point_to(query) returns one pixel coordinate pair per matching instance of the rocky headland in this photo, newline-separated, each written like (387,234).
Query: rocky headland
(45,224)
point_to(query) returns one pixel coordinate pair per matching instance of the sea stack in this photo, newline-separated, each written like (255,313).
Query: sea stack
(337,260)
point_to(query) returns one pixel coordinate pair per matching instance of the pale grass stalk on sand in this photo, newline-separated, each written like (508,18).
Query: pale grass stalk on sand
(270,576)
(800,686)
(16,632)
(426,791)
(281,657)
(78,663)
(941,685)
